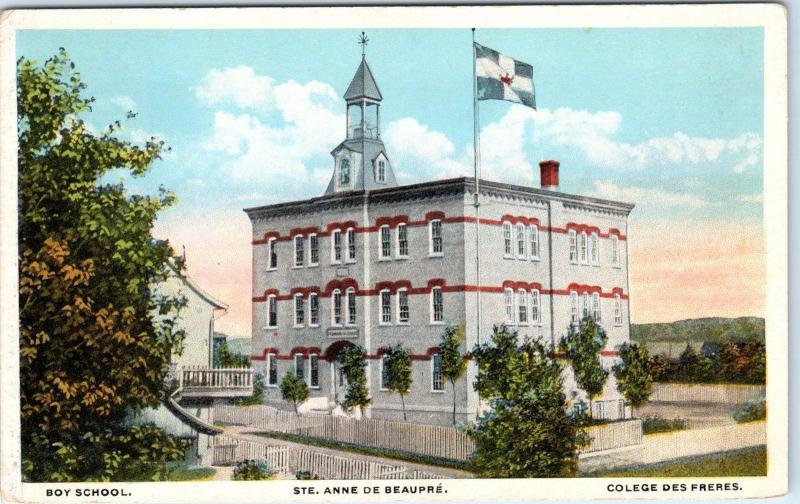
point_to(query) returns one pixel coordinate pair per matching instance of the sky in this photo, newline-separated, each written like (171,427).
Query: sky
(670,119)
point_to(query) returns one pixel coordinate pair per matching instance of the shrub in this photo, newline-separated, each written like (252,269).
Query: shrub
(305,475)
(751,411)
(252,470)
(654,425)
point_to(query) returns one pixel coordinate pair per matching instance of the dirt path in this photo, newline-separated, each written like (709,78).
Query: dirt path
(249,434)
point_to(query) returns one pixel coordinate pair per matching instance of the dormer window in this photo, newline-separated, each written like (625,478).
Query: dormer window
(344,172)
(381,171)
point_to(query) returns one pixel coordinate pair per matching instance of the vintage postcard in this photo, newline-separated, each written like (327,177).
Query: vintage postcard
(394,254)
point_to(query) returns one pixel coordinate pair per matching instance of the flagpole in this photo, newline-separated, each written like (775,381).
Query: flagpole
(476,144)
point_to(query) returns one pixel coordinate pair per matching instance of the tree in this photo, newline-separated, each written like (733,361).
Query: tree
(294,389)
(528,432)
(397,365)
(582,347)
(258,392)
(351,359)
(227,359)
(453,363)
(95,339)
(687,365)
(634,380)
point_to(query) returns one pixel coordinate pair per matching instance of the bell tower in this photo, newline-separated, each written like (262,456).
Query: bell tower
(360,161)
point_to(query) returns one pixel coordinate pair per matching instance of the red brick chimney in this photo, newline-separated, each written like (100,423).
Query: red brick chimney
(549,174)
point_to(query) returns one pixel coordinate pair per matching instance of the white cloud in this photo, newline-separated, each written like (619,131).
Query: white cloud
(126,103)
(419,153)
(756,198)
(239,86)
(646,196)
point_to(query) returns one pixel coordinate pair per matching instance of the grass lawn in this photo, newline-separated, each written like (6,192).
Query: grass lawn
(368,450)
(191,474)
(748,462)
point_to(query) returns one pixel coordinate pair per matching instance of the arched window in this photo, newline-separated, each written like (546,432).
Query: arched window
(536,313)
(617,310)
(437,305)
(386,307)
(437,378)
(272,311)
(344,172)
(299,310)
(313,371)
(313,310)
(351,306)
(507,239)
(272,370)
(522,307)
(336,307)
(509,303)
(519,231)
(533,246)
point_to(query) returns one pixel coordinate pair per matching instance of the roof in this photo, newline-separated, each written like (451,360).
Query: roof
(458,185)
(363,84)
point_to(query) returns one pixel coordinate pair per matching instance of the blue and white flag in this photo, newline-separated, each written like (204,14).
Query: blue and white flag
(502,78)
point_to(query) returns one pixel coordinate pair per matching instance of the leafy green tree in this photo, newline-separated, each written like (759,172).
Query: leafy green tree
(227,359)
(453,363)
(353,364)
(582,346)
(687,365)
(634,379)
(95,339)
(528,432)
(397,362)
(294,389)
(258,392)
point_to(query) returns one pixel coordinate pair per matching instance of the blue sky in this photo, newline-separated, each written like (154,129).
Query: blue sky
(670,119)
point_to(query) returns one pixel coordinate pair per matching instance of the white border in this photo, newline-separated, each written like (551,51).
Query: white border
(770,16)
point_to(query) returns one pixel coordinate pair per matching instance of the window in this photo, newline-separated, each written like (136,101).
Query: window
(509,302)
(381,171)
(436,237)
(272,370)
(533,239)
(386,307)
(299,253)
(594,249)
(573,246)
(336,244)
(437,380)
(536,314)
(351,306)
(386,243)
(351,244)
(583,245)
(437,314)
(313,250)
(596,306)
(299,366)
(344,172)
(336,313)
(585,305)
(402,306)
(617,310)
(520,236)
(299,310)
(313,371)
(273,254)
(313,310)
(402,240)
(522,307)
(384,373)
(614,250)
(272,311)
(573,306)
(507,239)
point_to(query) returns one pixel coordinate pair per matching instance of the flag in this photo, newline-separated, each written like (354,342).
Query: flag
(502,78)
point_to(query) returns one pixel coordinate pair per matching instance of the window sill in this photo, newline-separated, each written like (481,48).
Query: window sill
(350,261)
(384,259)
(437,254)
(384,324)
(273,386)
(403,323)
(401,258)
(313,265)
(271,269)
(335,263)
(434,322)
(508,256)
(297,267)
(298,326)
(437,391)
(535,258)
(313,387)
(269,327)
(313,326)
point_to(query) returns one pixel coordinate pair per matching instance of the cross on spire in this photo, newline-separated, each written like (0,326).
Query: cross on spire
(363,40)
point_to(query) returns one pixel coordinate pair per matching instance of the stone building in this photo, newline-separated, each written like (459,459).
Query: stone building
(375,263)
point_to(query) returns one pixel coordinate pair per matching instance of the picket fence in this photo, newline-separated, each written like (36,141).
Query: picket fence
(706,393)
(431,440)
(286,460)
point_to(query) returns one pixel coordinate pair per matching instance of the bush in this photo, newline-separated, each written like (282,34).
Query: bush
(654,425)
(751,412)
(305,475)
(252,470)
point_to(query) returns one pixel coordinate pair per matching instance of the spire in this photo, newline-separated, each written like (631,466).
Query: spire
(363,84)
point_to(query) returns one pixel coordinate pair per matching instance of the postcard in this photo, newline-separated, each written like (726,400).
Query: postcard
(364,254)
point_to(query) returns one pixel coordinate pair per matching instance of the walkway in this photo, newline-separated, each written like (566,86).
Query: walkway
(680,444)
(248,434)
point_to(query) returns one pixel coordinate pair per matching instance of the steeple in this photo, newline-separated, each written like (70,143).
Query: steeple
(360,161)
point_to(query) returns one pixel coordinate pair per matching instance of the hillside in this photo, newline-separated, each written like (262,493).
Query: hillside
(715,329)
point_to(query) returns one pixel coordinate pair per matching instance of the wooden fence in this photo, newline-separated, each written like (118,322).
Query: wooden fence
(286,460)
(706,393)
(431,440)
